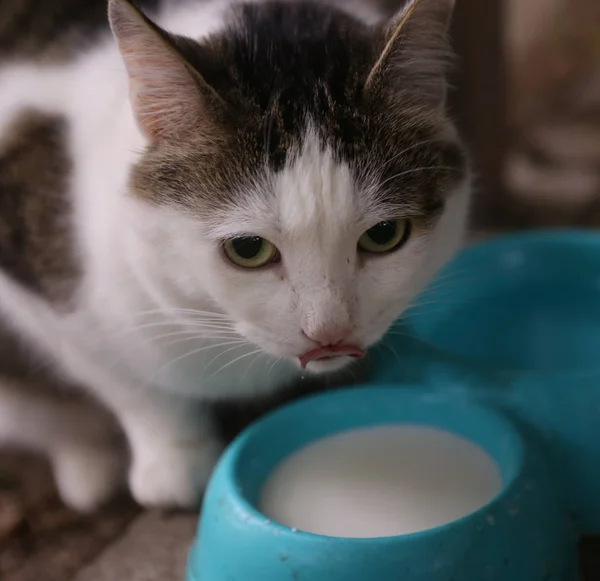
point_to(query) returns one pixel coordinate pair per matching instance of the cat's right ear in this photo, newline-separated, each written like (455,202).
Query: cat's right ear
(415,54)
(167,94)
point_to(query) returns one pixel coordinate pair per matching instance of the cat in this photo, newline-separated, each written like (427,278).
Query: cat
(205,204)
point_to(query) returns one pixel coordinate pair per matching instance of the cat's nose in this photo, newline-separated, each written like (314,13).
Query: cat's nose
(328,335)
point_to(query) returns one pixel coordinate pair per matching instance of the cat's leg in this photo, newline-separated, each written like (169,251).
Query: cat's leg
(82,442)
(173,444)
(172,440)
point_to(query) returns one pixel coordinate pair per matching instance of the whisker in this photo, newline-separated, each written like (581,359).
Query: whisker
(394,353)
(189,319)
(439,303)
(179,310)
(272,366)
(258,356)
(189,354)
(393,333)
(194,333)
(193,324)
(453,281)
(414,170)
(200,338)
(403,152)
(268,131)
(219,355)
(351,370)
(230,363)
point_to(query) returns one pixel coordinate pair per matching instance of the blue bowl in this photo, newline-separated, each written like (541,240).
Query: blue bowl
(520,536)
(514,323)
(522,303)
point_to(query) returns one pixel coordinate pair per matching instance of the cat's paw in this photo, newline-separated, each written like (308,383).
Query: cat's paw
(173,476)
(88,476)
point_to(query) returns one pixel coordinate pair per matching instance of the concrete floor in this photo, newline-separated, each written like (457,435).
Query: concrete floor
(40,540)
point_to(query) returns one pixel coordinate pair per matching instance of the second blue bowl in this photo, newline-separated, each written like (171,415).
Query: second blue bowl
(514,323)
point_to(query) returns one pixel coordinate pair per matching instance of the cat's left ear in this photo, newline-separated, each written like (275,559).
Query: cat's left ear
(415,54)
(168,96)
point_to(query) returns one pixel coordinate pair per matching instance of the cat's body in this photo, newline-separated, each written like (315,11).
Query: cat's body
(114,217)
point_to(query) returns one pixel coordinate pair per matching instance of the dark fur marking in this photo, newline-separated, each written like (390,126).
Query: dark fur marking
(36,237)
(277,66)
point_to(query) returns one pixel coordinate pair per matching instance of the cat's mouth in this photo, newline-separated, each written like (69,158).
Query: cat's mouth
(333,352)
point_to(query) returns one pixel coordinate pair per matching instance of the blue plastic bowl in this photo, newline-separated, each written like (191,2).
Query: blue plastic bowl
(519,536)
(514,323)
(523,303)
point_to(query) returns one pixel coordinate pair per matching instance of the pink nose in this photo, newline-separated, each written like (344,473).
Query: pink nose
(328,335)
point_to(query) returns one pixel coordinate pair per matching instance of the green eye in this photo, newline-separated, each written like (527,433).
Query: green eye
(385,236)
(250,251)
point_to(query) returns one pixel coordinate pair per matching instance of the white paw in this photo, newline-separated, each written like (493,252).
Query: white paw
(173,476)
(87,476)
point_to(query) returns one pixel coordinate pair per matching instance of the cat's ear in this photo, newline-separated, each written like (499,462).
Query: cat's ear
(167,94)
(416,53)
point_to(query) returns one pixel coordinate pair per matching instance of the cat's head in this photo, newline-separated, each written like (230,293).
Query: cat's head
(301,169)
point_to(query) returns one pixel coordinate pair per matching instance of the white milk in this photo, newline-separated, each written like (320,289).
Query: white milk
(382,481)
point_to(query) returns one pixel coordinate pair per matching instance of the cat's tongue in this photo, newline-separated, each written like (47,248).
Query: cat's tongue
(331,352)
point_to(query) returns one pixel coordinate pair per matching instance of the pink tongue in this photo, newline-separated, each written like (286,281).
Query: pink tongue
(329,352)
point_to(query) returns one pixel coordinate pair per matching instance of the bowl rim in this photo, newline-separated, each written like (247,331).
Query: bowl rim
(571,239)
(543,235)
(228,466)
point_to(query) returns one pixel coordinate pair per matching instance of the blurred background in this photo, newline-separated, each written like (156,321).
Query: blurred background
(528,101)
(527,98)
(548,77)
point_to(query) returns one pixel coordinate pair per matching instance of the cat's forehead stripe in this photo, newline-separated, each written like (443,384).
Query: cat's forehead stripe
(316,191)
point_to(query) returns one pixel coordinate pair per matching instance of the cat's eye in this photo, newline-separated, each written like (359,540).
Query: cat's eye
(250,251)
(385,236)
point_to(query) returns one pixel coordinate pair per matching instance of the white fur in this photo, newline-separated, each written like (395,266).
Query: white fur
(130,340)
